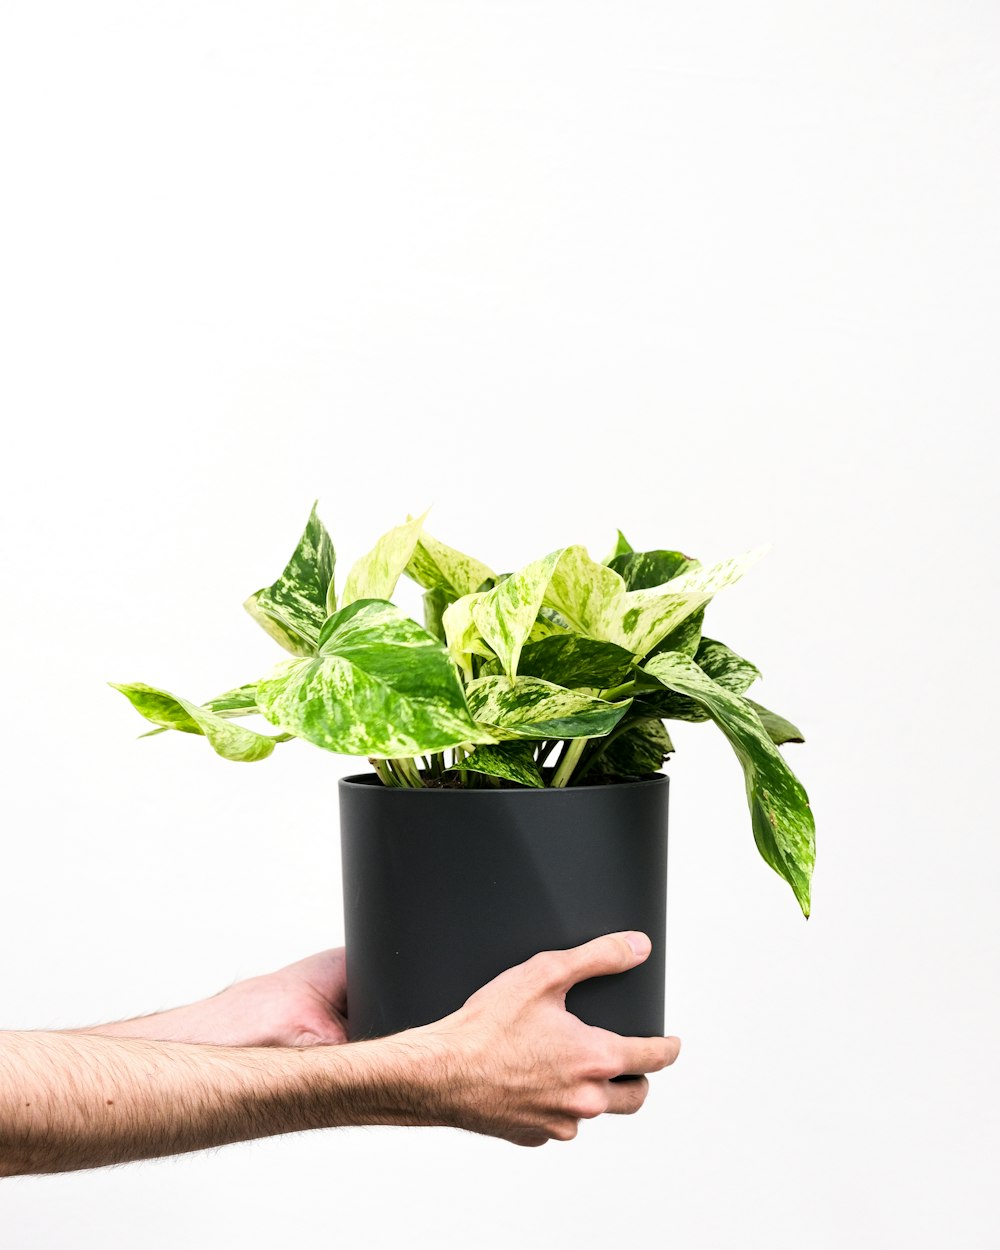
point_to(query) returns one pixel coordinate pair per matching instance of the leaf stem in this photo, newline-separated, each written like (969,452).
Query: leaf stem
(568,762)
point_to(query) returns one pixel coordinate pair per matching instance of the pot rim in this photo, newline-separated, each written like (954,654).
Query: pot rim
(371,780)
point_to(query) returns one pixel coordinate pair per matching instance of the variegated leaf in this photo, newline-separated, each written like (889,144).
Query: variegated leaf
(506,614)
(436,566)
(622,547)
(242,701)
(686,637)
(778,729)
(640,619)
(529,707)
(380,686)
(642,570)
(514,761)
(585,592)
(461,631)
(782,821)
(293,608)
(571,660)
(232,742)
(375,574)
(435,603)
(636,747)
(720,662)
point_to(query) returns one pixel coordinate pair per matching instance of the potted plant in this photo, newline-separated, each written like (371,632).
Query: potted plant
(516,738)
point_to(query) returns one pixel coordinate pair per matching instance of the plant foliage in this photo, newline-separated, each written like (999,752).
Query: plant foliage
(560,673)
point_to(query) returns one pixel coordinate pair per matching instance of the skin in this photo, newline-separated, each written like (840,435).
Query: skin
(511,1063)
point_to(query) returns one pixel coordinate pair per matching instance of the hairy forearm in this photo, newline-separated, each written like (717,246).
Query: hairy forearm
(71,1101)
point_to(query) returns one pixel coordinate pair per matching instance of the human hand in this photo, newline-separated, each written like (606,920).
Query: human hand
(302,1004)
(514,1063)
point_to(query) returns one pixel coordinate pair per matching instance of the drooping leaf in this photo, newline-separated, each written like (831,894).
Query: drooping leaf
(782,821)
(636,747)
(621,547)
(436,566)
(571,660)
(375,574)
(293,608)
(232,742)
(380,685)
(642,570)
(505,615)
(778,729)
(242,701)
(514,761)
(529,707)
(720,662)
(686,637)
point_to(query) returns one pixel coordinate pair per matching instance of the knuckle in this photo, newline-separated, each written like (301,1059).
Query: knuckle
(589,1103)
(564,1130)
(636,1095)
(546,966)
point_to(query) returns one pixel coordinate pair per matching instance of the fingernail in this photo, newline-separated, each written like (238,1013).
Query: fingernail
(640,944)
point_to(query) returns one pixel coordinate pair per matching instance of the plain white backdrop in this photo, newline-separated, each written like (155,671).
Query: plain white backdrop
(718,274)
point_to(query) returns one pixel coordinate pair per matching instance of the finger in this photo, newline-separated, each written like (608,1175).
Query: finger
(615,952)
(627,1097)
(647,1054)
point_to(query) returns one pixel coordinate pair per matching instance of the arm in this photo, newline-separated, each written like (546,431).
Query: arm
(511,1063)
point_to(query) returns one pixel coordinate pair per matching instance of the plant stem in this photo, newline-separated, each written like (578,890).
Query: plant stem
(384,772)
(618,692)
(568,762)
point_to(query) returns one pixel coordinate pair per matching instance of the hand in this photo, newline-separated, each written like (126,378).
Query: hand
(303,1004)
(514,1063)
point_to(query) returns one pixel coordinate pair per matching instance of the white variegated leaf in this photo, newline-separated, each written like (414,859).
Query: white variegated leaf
(375,574)
(529,707)
(513,761)
(622,547)
(782,820)
(506,614)
(461,631)
(292,610)
(640,619)
(381,685)
(436,566)
(232,742)
(585,593)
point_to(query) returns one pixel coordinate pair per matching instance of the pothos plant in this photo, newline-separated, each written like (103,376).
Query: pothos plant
(559,674)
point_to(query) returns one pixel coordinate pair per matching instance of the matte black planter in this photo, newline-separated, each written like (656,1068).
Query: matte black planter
(445,888)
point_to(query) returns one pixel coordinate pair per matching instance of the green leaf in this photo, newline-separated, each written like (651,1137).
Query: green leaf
(166,710)
(638,746)
(639,619)
(514,761)
(783,826)
(461,631)
(778,729)
(436,601)
(585,593)
(528,707)
(642,570)
(380,685)
(686,637)
(436,566)
(622,546)
(293,608)
(720,662)
(375,575)
(505,615)
(571,660)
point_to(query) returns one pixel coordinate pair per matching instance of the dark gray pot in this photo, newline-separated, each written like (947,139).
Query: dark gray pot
(445,888)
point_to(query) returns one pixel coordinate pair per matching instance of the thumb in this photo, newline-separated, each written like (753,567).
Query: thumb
(615,952)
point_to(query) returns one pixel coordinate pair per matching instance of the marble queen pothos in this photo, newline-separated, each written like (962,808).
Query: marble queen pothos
(561,673)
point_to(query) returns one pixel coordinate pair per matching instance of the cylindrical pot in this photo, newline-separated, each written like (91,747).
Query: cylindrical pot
(445,888)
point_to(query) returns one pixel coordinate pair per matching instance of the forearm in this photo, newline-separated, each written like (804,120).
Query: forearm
(71,1101)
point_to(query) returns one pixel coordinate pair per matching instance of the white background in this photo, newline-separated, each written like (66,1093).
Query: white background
(720,274)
